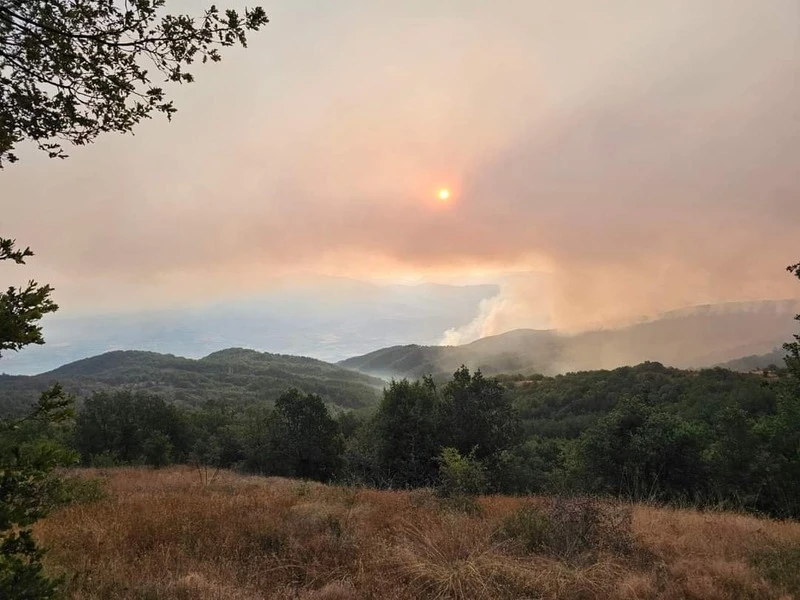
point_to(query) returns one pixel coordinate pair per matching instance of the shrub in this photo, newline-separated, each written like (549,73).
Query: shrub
(461,480)
(572,528)
(460,476)
(530,526)
(79,490)
(779,566)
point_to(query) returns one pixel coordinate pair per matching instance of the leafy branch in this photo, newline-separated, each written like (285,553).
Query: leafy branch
(73,69)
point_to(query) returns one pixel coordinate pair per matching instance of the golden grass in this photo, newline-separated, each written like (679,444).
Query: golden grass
(165,535)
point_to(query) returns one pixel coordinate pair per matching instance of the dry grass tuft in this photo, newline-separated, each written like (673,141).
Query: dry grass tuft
(170,535)
(453,557)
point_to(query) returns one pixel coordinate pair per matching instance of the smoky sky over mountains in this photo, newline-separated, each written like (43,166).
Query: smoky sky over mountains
(606,160)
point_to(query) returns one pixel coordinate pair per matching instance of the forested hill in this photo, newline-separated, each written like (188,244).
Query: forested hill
(698,337)
(757,362)
(235,375)
(566,405)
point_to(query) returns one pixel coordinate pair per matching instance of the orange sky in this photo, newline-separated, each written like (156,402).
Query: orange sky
(606,160)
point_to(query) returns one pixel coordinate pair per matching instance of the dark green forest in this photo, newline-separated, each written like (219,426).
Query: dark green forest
(645,433)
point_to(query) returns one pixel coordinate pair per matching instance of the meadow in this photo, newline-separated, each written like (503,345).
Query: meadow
(181,534)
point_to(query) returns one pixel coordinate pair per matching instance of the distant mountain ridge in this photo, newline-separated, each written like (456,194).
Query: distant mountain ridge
(757,362)
(324,317)
(236,375)
(701,336)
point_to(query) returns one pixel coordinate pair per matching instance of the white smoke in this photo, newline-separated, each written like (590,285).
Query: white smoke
(524,302)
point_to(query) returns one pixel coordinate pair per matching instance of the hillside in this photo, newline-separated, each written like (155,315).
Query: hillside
(756,362)
(234,375)
(702,336)
(566,405)
(166,534)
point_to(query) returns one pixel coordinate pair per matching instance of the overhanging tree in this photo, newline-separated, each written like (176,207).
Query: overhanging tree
(69,71)
(73,69)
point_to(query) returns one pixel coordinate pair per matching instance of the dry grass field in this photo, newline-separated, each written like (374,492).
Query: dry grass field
(168,535)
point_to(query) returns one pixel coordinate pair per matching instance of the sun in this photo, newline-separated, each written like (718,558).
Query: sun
(444,194)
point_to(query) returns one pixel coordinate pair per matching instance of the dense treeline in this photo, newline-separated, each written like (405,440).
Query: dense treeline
(644,433)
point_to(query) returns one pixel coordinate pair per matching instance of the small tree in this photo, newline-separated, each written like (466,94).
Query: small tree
(407,433)
(25,475)
(304,440)
(460,476)
(157,450)
(479,415)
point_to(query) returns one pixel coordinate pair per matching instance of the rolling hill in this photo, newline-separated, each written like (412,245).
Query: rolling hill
(756,362)
(236,375)
(290,318)
(697,337)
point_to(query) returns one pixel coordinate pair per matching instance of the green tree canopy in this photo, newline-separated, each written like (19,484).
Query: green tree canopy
(130,427)
(305,441)
(640,452)
(481,417)
(407,433)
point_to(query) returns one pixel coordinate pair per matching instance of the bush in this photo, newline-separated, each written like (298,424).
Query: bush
(530,526)
(80,490)
(779,566)
(157,450)
(104,460)
(572,528)
(460,476)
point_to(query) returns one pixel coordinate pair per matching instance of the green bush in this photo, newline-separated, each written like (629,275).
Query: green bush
(460,476)
(80,490)
(530,526)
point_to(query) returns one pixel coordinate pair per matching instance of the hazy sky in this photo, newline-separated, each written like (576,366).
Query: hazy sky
(607,159)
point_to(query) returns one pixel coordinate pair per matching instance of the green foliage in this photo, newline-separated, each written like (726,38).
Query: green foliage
(157,449)
(304,440)
(793,348)
(479,415)
(567,405)
(640,453)
(779,566)
(21,309)
(134,427)
(460,476)
(532,467)
(415,421)
(29,447)
(779,464)
(29,453)
(781,434)
(78,489)
(21,573)
(70,71)
(529,526)
(407,435)
(231,377)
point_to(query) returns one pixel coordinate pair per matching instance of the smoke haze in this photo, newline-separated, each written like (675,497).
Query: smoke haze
(607,161)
